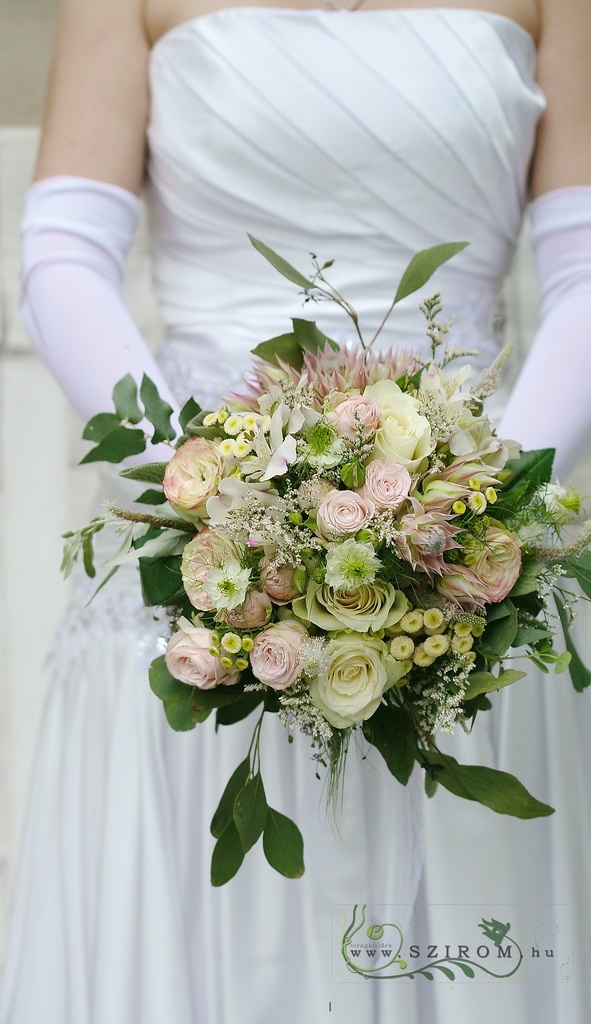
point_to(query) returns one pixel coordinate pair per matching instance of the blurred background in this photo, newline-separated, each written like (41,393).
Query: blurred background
(43,492)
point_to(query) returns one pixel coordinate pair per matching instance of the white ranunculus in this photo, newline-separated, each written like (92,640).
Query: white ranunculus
(359,672)
(403,435)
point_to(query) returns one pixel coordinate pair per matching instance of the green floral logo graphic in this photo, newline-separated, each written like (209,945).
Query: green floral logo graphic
(389,936)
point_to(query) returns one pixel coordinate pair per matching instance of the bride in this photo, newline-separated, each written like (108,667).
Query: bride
(362,135)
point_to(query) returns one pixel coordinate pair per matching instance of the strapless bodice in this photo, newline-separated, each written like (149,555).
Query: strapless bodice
(360,136)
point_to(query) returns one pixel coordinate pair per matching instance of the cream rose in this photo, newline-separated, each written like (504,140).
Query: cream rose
(498,565)
(343,512)
(275,657)
(387,484)
(254,612)
(208,550)
(404,435)
(188,659)
(359,672)
(354,413)
(370,606)
(192,476)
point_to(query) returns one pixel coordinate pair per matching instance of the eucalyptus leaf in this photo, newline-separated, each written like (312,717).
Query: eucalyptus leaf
(283,845)
(151,497)
(485,682)
(225,810)
(88,555)
(580,569)
(391,731)
(118,444)
(149,473)
(161,581)
(177,697)
(579,673)
(529,635)
(281,265)
(423,265)
(227,855)
(157,411)
(240,709)
(125,400)
(99,426)
(309,336)
(190,409)
(251,811)
(500,634)
(500,791)
(284,347)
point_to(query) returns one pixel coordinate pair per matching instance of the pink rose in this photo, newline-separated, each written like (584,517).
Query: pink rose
(387,484)
(278,583)
(208,550)
(275,657)
(188,659)
(192,476)
(343,512)
(498,565)
(254,612)
(357,412)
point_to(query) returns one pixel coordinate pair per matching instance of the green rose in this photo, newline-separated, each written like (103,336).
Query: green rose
(358,674)
(370,606)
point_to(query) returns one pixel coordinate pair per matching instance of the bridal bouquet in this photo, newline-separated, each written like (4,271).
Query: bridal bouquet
(350,546)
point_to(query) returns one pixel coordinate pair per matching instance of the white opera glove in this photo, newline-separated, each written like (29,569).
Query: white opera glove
(76,234)
(550,405)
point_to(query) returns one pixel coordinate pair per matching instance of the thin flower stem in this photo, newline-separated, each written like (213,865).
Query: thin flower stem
(163,522)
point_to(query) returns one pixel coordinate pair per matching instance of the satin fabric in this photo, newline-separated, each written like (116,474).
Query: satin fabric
(362,137)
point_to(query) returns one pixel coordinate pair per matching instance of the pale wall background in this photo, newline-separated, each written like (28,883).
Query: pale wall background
(43,492)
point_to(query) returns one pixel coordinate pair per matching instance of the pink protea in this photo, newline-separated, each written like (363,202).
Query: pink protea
(424,538)
(349,368)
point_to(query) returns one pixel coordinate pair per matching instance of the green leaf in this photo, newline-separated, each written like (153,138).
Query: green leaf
(500,791)
(284,347)
(283,845)
(484,682)
(392,732)
(500,634)
(563,662)
(531,470)
(125,400)
(240,709)
(157,411)
(177,697)
(225,809)
(149,473)
(190,409)
(116,446)
(579,673)
(161,580)
(353,474)
(468,971)
(217,697)
(309,336)
(580,569)
(427,975)
(430,784)
(227,855)
(528,582)
(423,266)
(151,497)
(281,265)
(88,555)
(250,812)
(99,426)
(529,635)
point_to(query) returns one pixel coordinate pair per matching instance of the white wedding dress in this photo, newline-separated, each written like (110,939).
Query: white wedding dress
(362,137)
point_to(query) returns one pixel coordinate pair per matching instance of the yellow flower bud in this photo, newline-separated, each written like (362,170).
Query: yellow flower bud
(462,644)
(223,414)
(462,628)
(477,629)
(491,495)
(247,643)
(459,507)
(214,651)
(402,648)
(421,658)
(412,622)
(226,662)
(241,664)
(474,483)
(433,620)
(436,645)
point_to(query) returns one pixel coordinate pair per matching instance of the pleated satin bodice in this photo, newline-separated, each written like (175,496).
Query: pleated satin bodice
(360,136)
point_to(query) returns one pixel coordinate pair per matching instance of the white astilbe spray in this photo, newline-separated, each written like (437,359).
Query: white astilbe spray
(490,379)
